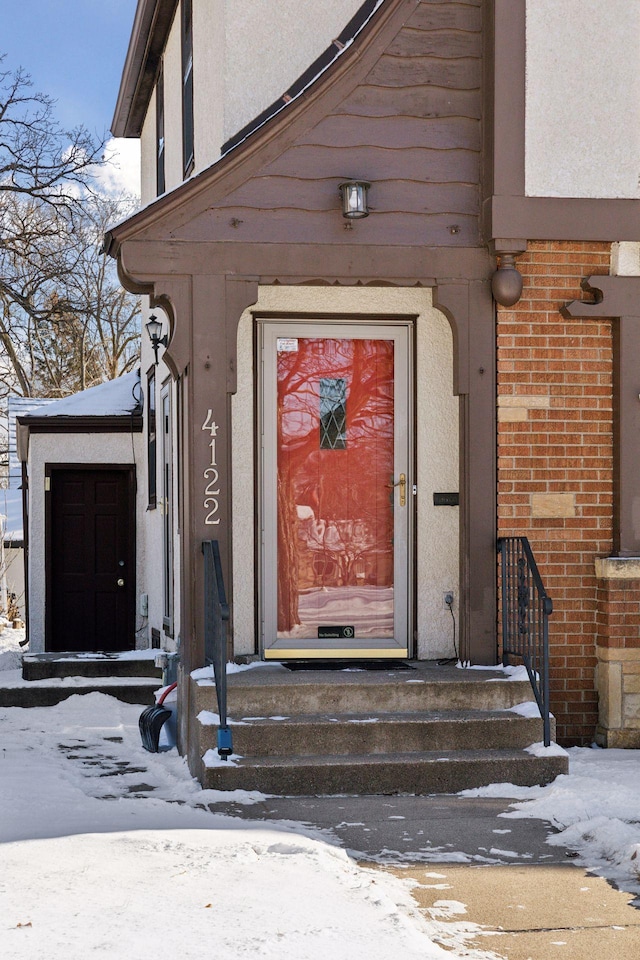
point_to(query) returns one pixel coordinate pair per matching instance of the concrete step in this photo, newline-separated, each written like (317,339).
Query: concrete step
(426,772)
(390,733)
(273,690)
(46,693)
(46,666)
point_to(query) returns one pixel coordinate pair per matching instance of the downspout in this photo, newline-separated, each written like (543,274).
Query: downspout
(24,486)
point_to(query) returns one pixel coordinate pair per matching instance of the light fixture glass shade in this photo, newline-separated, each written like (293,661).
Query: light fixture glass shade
(354,199)
(154,328)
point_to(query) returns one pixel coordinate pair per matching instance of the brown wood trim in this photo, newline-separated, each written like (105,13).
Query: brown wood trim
(509,53)
(619,298)
(562,218)
(149,34)
(129,423)
(471,312)
(335,316)
(167,264)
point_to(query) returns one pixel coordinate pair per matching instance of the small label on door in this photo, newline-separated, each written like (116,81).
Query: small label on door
(336,633)
(287,344)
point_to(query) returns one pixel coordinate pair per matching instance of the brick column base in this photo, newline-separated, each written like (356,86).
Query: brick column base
(618,652)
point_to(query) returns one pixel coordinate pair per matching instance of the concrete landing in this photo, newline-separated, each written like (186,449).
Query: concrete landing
(46,666)
(48,678)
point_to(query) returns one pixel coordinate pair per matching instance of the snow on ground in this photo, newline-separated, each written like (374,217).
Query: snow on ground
(110,850)
(10,651)
(595,808)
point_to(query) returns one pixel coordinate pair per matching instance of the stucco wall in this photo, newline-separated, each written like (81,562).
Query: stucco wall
(173,108)
(14,573)
(244,57)
(75,448)
(583,98)
(267,48)
(148,182)
(151,521)
(437,454)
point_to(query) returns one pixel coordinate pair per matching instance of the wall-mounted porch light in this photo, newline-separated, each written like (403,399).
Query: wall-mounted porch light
(154,329)
(354,199)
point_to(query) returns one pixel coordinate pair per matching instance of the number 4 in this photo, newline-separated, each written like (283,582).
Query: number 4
(210,424)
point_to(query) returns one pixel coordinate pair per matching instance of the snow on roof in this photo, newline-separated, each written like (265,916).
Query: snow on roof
(11,514)
(114,398)
(19,407)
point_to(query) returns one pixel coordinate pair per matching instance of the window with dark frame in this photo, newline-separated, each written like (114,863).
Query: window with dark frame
(187,86)
(167,500)
(160,164)
(151,440)
(333,413)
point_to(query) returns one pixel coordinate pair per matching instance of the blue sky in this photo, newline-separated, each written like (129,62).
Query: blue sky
(74,51)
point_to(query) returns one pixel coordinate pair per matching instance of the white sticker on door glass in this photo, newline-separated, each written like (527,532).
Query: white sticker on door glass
(287,344)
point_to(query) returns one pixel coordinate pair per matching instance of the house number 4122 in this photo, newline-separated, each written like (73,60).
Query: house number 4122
(211,476)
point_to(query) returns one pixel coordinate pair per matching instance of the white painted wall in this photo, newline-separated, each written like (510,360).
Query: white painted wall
(150,521)
(14,574)
(245,55)
(268,46)
(116,448)
(437,454)
(148,155)
(583,98)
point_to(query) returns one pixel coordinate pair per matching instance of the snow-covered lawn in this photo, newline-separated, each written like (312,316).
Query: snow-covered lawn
(107,849)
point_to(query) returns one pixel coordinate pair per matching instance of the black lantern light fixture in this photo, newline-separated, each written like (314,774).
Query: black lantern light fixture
(154,329)
(354,199)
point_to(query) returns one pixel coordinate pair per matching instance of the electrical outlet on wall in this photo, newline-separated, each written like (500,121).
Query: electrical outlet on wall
(447,598)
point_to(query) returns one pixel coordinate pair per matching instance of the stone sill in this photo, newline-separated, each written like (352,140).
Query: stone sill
(617,568)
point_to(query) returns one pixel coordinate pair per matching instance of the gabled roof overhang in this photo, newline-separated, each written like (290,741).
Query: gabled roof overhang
(153,19)
(163,220)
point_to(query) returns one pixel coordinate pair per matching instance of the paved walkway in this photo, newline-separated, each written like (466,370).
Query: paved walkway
(531,912)
(491,883)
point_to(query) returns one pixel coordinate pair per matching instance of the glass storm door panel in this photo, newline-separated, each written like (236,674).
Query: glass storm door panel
(335,490)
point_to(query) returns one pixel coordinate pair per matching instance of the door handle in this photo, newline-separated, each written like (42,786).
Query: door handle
(402,483)
(120,582)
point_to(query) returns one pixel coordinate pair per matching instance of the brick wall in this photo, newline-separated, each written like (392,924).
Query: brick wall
(554,459)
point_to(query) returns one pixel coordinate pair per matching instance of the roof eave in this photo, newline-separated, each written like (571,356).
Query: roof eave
(149,34)
(281,120)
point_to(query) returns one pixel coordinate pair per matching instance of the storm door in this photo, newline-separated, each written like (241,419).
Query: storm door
(337,489)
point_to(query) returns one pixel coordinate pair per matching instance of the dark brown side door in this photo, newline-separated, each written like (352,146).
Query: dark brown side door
(91,560)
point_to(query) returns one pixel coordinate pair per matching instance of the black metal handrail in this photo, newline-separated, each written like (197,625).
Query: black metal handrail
(526,609)
(216,615)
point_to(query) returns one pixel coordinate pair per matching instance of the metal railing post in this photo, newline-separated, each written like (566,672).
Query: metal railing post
(526,608)
(216,615)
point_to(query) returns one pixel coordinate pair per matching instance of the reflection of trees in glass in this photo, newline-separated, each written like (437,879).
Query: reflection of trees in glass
(349,515)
